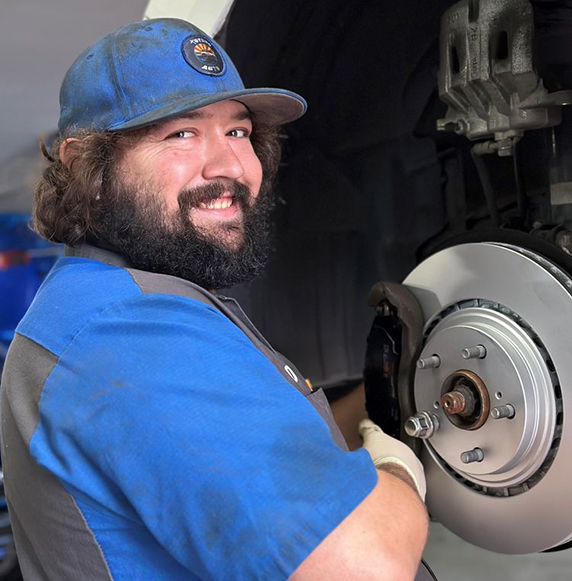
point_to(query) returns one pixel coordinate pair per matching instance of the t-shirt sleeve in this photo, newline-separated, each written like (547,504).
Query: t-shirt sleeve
(226,463)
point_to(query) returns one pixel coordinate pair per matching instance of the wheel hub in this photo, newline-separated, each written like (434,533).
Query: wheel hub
(465,400)
(514,372)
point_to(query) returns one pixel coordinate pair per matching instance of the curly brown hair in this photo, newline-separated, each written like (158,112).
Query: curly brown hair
(68,205)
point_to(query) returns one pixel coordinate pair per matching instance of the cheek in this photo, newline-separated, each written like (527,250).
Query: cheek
(169,173)
(174,171)
(166,167)
(179,166)
(253,173)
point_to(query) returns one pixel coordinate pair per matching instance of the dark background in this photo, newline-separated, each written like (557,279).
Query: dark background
(361,186)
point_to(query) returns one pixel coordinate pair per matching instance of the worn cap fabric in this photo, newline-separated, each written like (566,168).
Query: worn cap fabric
(156,69)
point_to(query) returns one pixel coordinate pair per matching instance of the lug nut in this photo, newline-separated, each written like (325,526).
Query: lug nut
(503,411)
(421,425)
(475,352)
(474,455)
(429,362)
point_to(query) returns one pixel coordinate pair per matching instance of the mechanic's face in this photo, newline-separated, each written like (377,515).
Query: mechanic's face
(196,163)
(185,199)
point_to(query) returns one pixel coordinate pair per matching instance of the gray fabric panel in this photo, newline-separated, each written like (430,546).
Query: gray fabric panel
(95,253)
(52,538)
(153,283)
(319,401)
(30,565)
(26,369)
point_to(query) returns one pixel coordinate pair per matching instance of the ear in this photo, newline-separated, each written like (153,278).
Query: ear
(68,151)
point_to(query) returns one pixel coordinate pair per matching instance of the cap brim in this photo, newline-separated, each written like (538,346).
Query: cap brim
(268,106)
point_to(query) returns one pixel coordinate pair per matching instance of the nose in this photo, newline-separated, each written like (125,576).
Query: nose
(221,161)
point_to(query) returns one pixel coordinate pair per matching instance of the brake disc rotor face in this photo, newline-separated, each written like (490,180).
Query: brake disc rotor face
(497,381)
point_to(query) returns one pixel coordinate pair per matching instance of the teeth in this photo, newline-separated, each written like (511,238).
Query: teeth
(218,204)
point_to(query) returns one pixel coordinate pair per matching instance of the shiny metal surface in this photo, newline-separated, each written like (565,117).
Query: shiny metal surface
(422,425)
(519,307)
(514,371)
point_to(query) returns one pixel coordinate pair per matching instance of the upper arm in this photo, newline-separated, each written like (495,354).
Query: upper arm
(382,539)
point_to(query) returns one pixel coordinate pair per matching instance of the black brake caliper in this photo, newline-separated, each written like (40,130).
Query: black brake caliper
(382,357)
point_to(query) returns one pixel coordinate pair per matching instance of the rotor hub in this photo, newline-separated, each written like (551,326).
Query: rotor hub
(465,400)
(514,372)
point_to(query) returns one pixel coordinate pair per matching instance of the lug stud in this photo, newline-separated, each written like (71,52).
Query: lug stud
(503,411)
(475,352)
(429,362)
(474,455)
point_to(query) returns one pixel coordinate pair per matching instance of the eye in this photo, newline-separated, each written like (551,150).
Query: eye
(183,134)
(239,133)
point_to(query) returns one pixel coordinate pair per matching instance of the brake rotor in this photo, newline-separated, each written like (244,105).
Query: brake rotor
(494,378)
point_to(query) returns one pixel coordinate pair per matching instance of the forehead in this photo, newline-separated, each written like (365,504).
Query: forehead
(218,113)
(224,111)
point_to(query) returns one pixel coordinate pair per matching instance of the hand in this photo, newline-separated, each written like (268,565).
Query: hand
(384,449)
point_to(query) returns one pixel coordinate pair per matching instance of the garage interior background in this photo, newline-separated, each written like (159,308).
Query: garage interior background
(363,192)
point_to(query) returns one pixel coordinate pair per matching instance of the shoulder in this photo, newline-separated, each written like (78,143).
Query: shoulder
(81,294)
(75,291)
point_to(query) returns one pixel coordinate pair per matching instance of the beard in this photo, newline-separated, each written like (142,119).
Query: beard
(136,224)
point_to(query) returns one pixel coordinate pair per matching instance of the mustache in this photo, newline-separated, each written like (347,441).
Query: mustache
(192,197)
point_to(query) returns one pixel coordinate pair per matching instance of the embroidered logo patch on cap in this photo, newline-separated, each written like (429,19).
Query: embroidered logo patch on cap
(203,56)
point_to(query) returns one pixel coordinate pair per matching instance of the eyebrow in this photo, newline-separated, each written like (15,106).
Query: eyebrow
(240,116)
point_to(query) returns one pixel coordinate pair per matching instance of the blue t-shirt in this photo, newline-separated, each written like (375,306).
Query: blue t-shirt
(187,453)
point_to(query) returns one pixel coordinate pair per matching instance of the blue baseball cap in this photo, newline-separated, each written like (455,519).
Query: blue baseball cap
(156,69)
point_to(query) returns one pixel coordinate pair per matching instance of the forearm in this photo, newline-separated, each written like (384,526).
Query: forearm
(405,522)
(399,472)
(411,526)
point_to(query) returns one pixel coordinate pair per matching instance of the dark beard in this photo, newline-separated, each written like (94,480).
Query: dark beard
(135,225)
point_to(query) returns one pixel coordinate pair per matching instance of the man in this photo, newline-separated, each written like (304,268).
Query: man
(149,431)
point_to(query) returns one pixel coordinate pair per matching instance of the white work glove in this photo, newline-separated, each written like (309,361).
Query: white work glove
(384,449)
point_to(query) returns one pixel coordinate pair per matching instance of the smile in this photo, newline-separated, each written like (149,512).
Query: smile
(217,204)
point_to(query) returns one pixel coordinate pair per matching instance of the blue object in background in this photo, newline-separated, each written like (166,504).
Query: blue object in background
(25,260)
